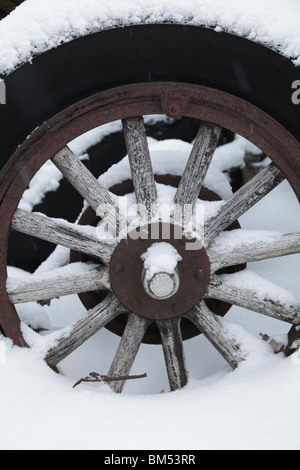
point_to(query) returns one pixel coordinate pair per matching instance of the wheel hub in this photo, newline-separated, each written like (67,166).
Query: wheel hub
(162,285)
(164,295)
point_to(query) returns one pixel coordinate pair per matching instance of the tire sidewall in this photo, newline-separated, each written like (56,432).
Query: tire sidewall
(145,53)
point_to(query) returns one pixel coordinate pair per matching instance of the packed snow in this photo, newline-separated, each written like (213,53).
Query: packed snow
(262,288)
(160,258)
(40,25)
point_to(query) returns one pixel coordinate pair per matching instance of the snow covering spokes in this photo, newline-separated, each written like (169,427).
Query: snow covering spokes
(168,157)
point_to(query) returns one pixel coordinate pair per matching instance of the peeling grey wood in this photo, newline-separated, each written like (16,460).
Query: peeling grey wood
(140,163)
(62,233)
(241,201)
(172,343)
(197,166)
(88,186)
(246,298)
(61,285)
(254,250)
(81,178)
(209,324)
(82,330)
(128,348)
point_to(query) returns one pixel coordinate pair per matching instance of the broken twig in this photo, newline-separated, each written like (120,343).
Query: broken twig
(94,377)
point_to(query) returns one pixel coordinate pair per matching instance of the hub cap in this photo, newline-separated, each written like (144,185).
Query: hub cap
(162,285)
(170,298)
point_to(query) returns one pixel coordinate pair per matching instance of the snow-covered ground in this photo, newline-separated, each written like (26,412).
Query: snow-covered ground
(255,407)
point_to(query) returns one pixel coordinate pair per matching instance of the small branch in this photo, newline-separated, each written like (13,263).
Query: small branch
(94,377)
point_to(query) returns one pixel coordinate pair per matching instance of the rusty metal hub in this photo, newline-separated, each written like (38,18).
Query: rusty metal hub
(126,274)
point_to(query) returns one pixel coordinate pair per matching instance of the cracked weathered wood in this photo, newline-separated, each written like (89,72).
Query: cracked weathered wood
(241,201)
(197,166)
(81,331)
(249,299)
(47,288)
(210,325)
(62,233)
(88,186)
(253,250)
(172,343)
(140,164)
(128,348)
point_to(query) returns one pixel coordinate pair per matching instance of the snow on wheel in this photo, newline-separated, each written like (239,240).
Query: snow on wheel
(157,254)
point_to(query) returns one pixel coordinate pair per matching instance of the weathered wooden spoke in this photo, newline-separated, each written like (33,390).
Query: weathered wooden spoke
(238,250)
(197,166)
(62,233)
(210,325)
(128,348)
(140,163)
(58,283)
(248,298)
(173,351)
(86,327)
(241,201)
(87,185)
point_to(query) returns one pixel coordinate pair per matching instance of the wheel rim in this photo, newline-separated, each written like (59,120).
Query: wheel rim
(125,103)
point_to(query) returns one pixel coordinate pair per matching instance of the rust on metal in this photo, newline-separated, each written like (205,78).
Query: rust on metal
(293,341)
(174,105)
(127,283)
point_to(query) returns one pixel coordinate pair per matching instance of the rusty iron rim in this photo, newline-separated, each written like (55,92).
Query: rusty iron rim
(172,99)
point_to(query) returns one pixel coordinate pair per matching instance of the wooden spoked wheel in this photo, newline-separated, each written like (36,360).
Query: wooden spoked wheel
(119,270)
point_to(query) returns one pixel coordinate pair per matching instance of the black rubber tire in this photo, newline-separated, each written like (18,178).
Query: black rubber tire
(76,70)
